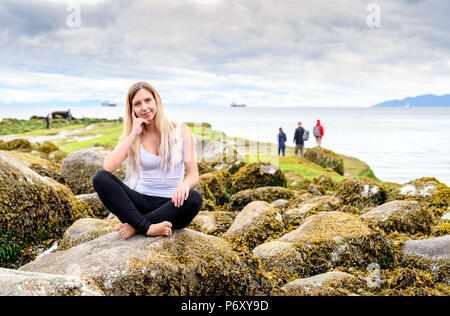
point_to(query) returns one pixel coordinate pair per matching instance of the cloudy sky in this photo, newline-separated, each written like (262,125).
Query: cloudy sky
(209,52)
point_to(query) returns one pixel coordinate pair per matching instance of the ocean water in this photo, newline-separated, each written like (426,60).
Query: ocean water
(398,144)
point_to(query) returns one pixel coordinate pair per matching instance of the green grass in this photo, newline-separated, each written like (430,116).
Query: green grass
(108,132)
(109,139)
(353,167)
(38,126)
(14,126)
(253,151)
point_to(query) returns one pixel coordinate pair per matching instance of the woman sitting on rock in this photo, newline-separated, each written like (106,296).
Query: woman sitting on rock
(154,198)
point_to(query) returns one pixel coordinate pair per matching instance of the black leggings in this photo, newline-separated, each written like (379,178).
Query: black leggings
(140,210)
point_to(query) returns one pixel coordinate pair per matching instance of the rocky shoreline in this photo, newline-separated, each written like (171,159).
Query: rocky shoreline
(261,231)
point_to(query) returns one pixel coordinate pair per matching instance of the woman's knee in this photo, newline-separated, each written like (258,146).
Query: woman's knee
(195,200)
(101,179)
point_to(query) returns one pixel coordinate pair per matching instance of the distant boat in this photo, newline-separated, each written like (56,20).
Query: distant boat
(235,105)
(108,103)
(407,106)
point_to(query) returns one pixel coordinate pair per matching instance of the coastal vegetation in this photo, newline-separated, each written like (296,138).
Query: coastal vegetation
(269,225)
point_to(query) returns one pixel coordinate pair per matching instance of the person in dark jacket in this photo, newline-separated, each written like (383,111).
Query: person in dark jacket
(69,117)
(281,142)
(47,121)
(298,139)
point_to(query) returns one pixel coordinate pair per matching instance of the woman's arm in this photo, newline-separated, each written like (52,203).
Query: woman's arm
(115,158)
(190,156)
(190,164)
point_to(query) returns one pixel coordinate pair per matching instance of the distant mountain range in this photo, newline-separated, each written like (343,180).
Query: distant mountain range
(427,100)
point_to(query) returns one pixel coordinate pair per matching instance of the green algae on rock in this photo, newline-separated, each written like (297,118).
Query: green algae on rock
(423,189)
(79,167)
(257,174)
(46,147)
(18,144)
(98,209)
(334,283)
(267,194)
(257,222)
(432,255)
(186,263)
(324,241)
(214,186)
(360,193)
(33,210)
(296,181)
(214,223)
(44,167)
(402,216)
(325,158)
(409,281)
(325,181)
(86,229)
(294,216)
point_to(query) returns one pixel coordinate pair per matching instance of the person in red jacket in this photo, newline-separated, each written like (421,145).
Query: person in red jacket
(318,133)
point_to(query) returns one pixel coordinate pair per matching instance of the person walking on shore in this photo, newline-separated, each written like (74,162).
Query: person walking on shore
(47,120)
(281,142)
(298,139)
(318,133)
(156,196)
(69,117)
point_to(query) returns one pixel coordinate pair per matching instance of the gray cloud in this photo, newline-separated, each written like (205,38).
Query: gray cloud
(303,49)
(30,18)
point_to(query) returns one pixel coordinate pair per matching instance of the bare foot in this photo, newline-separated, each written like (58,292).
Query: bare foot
(160,229)
(126,231)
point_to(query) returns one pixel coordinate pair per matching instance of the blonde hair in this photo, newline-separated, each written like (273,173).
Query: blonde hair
(169,147)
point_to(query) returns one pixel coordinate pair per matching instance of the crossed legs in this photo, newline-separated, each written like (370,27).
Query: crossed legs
(139,213)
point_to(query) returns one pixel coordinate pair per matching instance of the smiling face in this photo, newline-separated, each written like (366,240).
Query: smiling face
(144,104)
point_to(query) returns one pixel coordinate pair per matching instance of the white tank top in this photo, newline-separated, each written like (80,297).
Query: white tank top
(151,180)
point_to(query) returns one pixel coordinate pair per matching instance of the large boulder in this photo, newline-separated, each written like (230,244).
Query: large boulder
(257,174)
(301,197)
(267,194)
(212,222)
(186,263)
(296,181)
(296,215)
(254,224)
(361,193)
(401,216)
(86,229)
(20,283)
(18,144)
(325,181)
(325,158)
(218,156)
(423,189)
(430,249)
(214,186)
(99,210)
(34,210)
(431,254)
(335,283)
(79,167)
(42,166)
(324,241)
